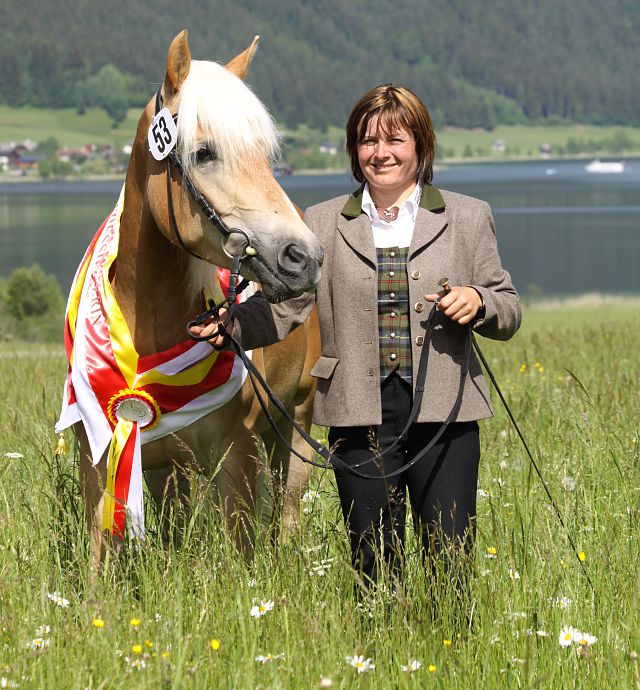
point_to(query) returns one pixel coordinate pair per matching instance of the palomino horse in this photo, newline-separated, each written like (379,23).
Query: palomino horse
(154,285)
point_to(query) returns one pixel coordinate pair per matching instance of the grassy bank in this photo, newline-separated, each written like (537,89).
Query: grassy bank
(181,618)
(71,129)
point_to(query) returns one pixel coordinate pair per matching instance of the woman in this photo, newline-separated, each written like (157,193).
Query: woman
(386,248)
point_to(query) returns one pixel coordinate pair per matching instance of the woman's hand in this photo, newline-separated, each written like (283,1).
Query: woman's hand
(211,328)
(460,304)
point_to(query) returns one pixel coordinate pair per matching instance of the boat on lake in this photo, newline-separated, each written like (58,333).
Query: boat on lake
(598,166)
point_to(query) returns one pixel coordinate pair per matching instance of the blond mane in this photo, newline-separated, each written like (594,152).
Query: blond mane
(218,109)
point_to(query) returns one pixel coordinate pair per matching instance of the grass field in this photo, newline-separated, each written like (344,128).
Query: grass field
(182,618)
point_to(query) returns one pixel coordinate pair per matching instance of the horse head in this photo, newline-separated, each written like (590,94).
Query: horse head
(225,142)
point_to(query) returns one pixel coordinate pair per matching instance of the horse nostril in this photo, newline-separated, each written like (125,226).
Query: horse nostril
(292,259)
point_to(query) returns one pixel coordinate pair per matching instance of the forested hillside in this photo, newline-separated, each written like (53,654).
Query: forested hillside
(475,62)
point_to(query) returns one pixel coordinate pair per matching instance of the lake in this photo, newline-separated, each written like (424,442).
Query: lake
(561,230)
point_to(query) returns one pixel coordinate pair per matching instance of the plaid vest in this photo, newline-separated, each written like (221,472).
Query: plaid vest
(393,312)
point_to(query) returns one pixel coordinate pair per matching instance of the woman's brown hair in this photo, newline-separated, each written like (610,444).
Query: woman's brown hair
(396,107)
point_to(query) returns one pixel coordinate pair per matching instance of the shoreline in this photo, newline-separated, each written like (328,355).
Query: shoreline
(443,164)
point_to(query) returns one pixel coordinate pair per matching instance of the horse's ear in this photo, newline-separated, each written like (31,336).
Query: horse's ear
(178,64)
(240,64)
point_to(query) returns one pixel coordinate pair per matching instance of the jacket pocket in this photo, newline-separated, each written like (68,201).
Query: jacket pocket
(324,367)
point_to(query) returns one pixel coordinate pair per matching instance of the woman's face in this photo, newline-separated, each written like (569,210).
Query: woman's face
(388,158)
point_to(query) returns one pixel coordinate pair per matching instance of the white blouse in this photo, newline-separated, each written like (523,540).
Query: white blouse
(398,232)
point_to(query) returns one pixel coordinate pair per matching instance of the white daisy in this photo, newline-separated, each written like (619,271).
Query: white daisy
(566,637)
(266,658)
(14,456)
(360,663)
(412,666)
(260,610)
(58,599)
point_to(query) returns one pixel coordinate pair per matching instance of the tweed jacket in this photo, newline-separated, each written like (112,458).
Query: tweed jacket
(454,237)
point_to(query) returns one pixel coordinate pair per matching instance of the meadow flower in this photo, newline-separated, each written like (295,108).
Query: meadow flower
(360,663)
(148,643)
(136,649)
(582,556)
(320,568)
(431,668)
(6,683)
(566,637)
(13,456)
(491,552)
(134,622)
(483,494)
(97,623)
(584,639)
(215,645)
(310,496)
(43,630)
(413,665)
(326,682)
(447,643)
(261,610)
(251,583)
(38,644)
(267,658)
(166,654)
(514,574)
(568,483)
(136,663)
(58,599)
(560,602)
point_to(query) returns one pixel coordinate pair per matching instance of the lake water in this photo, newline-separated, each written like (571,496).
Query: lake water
(561,230)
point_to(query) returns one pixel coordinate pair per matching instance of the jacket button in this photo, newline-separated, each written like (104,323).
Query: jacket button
(392,314)
(391,273)
(392,295)
(415,274)
(392,356)
(419,307)
(392,254)
(420,340)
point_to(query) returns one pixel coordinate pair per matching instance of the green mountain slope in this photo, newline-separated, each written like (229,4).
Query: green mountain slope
(475,63)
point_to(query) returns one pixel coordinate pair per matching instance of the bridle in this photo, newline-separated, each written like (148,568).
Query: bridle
(235,287)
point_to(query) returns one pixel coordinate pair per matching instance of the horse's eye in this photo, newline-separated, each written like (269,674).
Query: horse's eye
(204,154)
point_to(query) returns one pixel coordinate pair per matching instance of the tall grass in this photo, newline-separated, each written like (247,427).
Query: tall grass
(571,378)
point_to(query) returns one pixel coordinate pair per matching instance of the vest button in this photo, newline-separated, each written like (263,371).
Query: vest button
(392,254)
(415,274)
(419,307)
(392,314)
(392,356)
(391,274)
(392,335)
(392,295)
(420,340)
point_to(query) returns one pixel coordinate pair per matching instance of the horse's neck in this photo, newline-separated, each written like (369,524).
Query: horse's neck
(151,280)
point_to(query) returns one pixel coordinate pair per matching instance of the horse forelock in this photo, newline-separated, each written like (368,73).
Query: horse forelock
(218,108)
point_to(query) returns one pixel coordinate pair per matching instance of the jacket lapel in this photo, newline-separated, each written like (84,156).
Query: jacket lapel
(355,227)
(430,221)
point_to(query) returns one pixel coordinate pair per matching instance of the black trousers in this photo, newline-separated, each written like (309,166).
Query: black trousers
(442,485)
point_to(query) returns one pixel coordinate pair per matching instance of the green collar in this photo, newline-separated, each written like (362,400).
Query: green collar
(431,199)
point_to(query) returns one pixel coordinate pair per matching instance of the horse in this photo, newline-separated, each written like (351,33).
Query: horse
(165,254)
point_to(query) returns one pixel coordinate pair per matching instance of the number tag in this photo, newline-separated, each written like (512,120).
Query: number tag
(162,135)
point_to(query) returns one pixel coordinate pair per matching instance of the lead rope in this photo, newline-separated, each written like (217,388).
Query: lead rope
(493,380)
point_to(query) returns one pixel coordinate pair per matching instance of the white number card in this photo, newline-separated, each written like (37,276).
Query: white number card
(162,135)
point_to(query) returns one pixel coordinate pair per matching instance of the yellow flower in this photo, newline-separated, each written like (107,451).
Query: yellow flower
(166,654)
(215,645)
(148,643)
(137,649)
(97,623)
(431,668)
(135,622)
(491,551)
(447,643)
(523,368)
(582,556)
